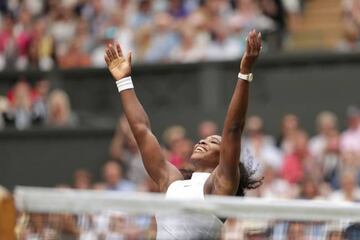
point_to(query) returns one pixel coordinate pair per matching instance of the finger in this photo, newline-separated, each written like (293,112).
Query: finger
(107,60)
(129,57)
(118,49)
(108,54)
(257,46)
(113,52)
(259,41)
(254,42)
(251,43)
(247,49)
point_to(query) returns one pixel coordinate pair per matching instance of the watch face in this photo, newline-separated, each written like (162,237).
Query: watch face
(250,77)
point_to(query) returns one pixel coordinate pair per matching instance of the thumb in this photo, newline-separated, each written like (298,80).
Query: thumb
(129,57)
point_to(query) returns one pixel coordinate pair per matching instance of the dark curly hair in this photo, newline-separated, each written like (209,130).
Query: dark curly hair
(247,180)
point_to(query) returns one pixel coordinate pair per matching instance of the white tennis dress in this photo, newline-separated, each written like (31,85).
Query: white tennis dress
(188,226)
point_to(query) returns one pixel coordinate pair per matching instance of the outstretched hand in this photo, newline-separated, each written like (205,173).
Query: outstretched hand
(118,65)
(252,51)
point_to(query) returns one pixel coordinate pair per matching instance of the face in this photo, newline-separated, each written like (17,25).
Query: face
(290,122)
(296,231)
(112,173)
(310,189)
(207,152)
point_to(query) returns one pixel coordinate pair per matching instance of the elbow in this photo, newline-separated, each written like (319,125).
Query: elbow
(140,130)
(236,128)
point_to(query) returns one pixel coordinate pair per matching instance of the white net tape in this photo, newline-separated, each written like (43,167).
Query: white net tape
(51,214)
(46,200)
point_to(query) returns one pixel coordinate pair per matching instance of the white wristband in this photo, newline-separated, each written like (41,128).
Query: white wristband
(124,84)
(247,77)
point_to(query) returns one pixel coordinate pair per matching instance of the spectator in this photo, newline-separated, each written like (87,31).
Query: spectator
(74,56)
(350,139)
(274,10)
(113,177)
(122,32)
(63,28)
(59,110)
(352,232)
(351,13)
(97,56)
(327,129)
(311,189)
(274,186)
(261,145)
(42,47)
(82,179)
(163,40)
(349,190)
(324,147)
(143,15)
(173,137)
(7,41)
(4,108)
(40,97)
(95,14)
(84,37)
(248,16)
(289,126)
(189,50)
(296,231)
(335,235)
(20,114)
(222,46)
(176,8)
(124,149)
(299,161)
(207,128)
(22,35)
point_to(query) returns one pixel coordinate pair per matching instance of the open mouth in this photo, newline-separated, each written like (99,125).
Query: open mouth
(200,149)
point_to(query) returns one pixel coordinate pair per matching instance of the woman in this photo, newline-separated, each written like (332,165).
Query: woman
(215,158)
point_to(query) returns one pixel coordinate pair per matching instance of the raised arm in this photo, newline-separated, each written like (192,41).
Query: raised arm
(160,170)
(228,169)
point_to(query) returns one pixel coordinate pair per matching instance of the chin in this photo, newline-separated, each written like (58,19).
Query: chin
(196,156)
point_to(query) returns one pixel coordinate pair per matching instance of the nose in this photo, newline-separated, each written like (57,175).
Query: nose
(202,141)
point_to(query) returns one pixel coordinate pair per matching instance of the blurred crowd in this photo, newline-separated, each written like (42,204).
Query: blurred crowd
(30,105)
(294,166)
(72,33)
(351,19)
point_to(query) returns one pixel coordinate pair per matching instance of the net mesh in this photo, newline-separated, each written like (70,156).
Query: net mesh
(58,214)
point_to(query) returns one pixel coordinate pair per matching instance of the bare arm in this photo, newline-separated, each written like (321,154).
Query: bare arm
(227,173)
(160,170)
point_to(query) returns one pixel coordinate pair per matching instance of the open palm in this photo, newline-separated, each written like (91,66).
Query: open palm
(118,65)
(252,52)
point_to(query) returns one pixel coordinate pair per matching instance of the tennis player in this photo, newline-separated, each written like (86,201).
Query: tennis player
(218,169)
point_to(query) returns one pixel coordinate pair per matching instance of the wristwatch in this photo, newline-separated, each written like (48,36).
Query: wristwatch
(247,77)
